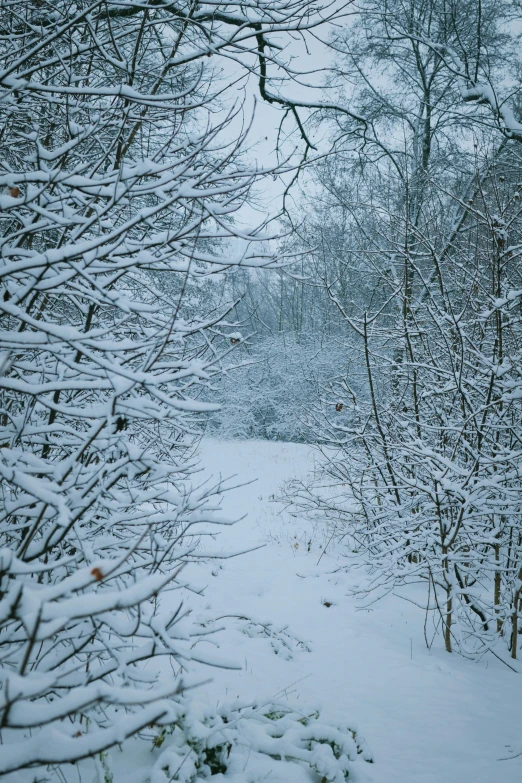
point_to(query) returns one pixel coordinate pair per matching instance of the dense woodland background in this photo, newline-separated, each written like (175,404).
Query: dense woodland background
(375,311)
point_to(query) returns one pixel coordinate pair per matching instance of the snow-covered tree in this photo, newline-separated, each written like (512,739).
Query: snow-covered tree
(430,454)
(414,278)
(117,174)
(270,393)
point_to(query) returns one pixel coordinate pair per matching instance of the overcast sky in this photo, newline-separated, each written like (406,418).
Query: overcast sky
(311,61)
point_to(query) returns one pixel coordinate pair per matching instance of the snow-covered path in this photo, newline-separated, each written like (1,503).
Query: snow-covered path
(426,716)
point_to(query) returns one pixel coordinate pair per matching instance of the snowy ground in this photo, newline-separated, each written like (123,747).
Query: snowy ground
(427,716)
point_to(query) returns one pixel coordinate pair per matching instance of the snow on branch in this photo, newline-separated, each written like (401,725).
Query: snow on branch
(120,177)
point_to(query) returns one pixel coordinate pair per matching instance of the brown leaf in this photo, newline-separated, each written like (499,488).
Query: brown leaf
(97,574)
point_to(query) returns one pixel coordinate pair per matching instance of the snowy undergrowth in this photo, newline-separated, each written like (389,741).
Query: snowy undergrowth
(248,742)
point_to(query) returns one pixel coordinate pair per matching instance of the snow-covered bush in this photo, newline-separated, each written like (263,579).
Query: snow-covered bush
(116,170)
(248,743)
(279,378)
(423,472)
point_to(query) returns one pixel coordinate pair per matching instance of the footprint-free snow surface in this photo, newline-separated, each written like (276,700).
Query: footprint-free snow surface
(426,716)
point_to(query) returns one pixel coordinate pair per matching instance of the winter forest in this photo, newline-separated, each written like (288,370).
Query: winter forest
(260,391)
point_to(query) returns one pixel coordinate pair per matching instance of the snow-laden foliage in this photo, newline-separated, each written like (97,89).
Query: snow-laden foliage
(422,455)
(117,170)
(278,380)
(423,476)
(239,743)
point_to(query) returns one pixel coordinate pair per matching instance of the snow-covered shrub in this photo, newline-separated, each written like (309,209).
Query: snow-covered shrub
(422,474)
(115,170)
(245,743)
(277,383)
